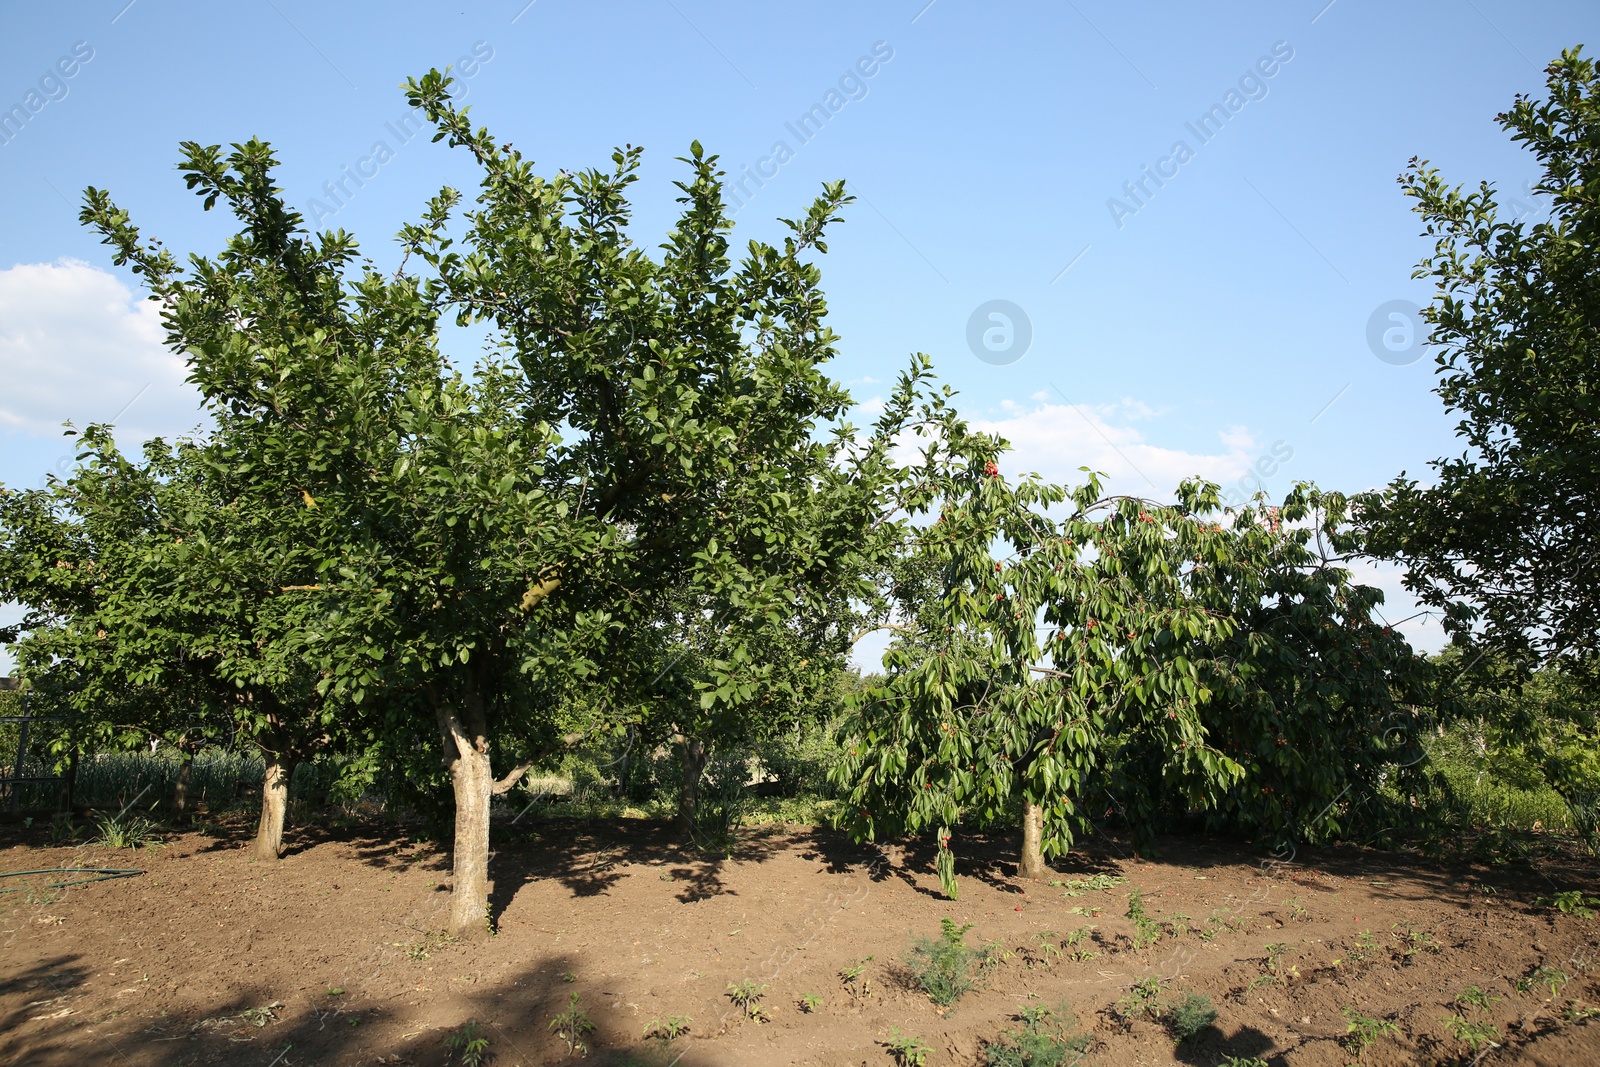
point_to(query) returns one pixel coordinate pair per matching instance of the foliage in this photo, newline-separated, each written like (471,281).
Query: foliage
(1362,1031)
(572,1026)
(1046,1038)
(746,995)
(1189,1017)
(1193,665)
(1571,902)
(1503,540)
(125,830)
(669,1029)
(1552,978)
(947,968)
(907,1051)
(469,1044)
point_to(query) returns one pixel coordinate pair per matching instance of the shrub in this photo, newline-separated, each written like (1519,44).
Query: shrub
(948,967)
(1188,1018)
(1046,1038)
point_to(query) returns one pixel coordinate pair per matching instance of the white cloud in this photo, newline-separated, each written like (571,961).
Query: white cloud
(1056,439)
(76,344)
(872,407)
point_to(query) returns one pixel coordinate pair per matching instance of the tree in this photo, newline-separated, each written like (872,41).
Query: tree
(1504,541)
(1322,706)
(474,545)
(970,720)
(695,406)
(154,614)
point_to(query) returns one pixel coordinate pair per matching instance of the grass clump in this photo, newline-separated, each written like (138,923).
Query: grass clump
(1189,1017)
(947,968)
(1046,1038)
(125,831)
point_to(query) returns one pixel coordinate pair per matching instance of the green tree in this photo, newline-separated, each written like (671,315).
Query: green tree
(645,434)
(1321,704)
(699,422)
(1504,540)
(153,613)
(970,719)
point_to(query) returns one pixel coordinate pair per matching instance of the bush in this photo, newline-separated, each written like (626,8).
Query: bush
(1045,1039)
(947,968)
(1188,1018)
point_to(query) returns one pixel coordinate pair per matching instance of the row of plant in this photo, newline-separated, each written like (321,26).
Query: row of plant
(642,525)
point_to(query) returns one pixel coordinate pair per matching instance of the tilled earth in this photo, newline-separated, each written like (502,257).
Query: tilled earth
(334,955)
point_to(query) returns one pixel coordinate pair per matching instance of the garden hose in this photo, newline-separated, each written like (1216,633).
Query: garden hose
(105,873)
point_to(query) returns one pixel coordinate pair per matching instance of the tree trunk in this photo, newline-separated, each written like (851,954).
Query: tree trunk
(180,788)
(69,782)
(467,754)
(1031,864)
(274,806)
(694,767)
(469,899)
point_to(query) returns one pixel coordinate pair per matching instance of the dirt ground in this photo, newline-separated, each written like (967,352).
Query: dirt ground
(334,955)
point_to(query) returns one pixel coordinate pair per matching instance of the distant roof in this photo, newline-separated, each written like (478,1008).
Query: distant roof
(8,684)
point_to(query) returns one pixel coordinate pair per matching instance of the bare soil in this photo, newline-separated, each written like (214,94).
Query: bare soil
(333,955)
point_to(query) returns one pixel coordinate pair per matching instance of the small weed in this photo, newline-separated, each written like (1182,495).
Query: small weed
(949,967)
(125,831)
(906,1050)
(668,1029)
(1576,1012)
(809,1003)
(1242,1061)
(1045,1039)
(1552,978)
(470,1044)
(1274,958)
(746,996)
(259,1017)
(1141,999)
(1097,883)
(1047,951)
(1364,949)
(1361,1032)
(1146,931)
(856,980)
(1297,911)
(1572,902)
(1413,942)
(1091,913)
(572,1026)
(424,949)
(1474,1033)
(1188,1018)
(63,832)
(336,991)
(1074,941)
(40,897)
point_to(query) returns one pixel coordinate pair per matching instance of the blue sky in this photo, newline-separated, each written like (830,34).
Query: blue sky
(1214,320)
